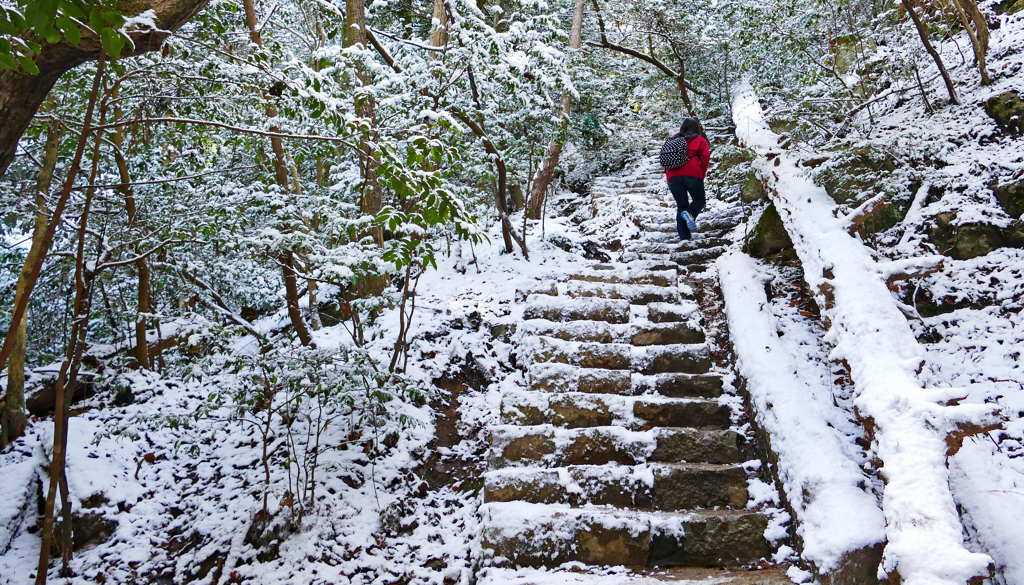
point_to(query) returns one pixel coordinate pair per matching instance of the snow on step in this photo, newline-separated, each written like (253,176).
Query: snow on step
(545,288)
(636,294)
(671,313)
(699,256)
(636,333)
(554,377)
(672,246)
(565,309)
(652,359)
(613,275)
(550,446)
(660,486)
(576,410)
(524,534)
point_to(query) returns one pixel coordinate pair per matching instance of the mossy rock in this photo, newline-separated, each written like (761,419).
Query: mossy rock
(769,236)
(1007,110)
(970,240)
(1009,6)
(1010,197)
(732,156)
(976,239)
(782,126)
(885,218)
(751,189)
(849,175)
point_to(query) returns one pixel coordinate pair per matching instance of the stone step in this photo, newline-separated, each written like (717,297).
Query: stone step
(698,256)
(578,410)
(541,535)
(566,309)
(651,359)
(636,294)
(671,359)
(672,486)
(636,333)
(678,385)
(545,288)
(673,246)
(550,446)
(672,313)
(552,377)
(576,575)
(726,222)
(607,356)
(613,275)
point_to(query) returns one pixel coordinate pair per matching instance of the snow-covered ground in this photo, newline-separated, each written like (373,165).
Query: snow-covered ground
(182,484)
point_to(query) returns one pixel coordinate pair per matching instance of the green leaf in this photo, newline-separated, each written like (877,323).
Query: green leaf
(95,20)
(111,42)
(72,9)
(7,61)
(28,65)
(113,18)
(10,22)
(49,33)
(5,45)
(70,30)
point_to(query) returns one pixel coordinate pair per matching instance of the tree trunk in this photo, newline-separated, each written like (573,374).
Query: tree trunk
(923,33)
(285,258)
(979,49)
(68,376)
(22,94)
(372,196)
(12,418)
(547,169)
(683,94)
(141,266)
(439,32)
(34,268)
(291,291)
(980,24)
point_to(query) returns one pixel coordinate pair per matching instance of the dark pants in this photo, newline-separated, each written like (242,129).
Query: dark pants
(694,204)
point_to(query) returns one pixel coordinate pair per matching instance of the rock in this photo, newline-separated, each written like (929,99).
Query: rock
(1013,236)
(966,241)
(976,239)
(885,218)
(732,156)
(782,126)
(769,236)
(854,172)
(1010,197)
(1008,7)
(1007,109)
(752,189)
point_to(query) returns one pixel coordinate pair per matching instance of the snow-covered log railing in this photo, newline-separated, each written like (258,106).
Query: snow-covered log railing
(913,428)
(839,525)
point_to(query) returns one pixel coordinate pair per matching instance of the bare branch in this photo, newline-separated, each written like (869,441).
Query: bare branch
(858,216)
(226,127)
(161,181)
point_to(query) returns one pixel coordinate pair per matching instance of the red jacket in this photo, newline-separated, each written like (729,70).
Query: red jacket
(700,157)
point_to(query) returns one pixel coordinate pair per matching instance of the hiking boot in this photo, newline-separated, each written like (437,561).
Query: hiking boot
(692,225)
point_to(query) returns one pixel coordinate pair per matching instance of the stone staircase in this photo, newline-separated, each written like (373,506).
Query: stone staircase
(620,450)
